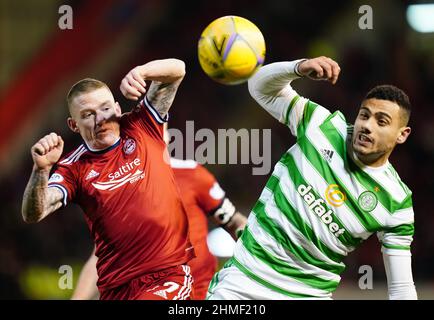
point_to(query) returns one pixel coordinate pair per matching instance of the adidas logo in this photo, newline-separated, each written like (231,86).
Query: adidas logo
(327,154)
(92,174)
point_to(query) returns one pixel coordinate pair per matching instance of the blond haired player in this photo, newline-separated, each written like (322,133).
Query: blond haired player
(203,199)
(119,178)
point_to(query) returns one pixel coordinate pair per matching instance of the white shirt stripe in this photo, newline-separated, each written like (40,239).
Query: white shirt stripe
(268,274)
(319,184)
(289,190)
(277,250)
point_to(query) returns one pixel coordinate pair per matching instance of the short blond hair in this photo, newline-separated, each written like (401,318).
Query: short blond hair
(84,86)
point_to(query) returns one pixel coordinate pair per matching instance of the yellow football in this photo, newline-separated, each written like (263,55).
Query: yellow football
(231,49)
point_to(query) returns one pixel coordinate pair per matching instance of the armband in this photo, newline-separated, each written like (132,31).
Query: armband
(224,213)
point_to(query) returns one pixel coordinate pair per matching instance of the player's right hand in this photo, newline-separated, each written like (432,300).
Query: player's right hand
(133,84)
(47,151)
(321,68)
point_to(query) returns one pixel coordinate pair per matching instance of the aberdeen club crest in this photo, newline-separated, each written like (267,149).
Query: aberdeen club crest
(129,146)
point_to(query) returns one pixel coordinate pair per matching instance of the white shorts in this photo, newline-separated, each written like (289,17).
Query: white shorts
(230,283)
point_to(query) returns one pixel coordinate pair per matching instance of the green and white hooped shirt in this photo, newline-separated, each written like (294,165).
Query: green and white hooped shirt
(320,202)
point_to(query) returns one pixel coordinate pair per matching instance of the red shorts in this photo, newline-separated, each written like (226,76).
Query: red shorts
(173,283)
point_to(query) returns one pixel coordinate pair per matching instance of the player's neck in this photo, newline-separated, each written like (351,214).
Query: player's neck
(376,162)
(96,149)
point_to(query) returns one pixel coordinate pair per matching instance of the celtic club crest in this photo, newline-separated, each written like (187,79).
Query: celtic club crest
(368,201)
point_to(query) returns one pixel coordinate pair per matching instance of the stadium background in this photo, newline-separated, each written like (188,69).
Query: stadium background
(39,62)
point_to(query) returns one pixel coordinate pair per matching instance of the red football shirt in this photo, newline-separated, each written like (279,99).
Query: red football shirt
(201,194)
(130,199)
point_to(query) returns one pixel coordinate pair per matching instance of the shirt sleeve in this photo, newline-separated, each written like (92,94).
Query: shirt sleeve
(209,193)
(271,88)
(147,119)
(63,179)
(398,238)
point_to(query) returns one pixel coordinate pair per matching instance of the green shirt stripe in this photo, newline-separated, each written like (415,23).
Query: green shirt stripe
(322,166)
(271,286)
(308,112)
(402,230)
(281,237)
(295,219)
(392,246)
(283,267)
(287,160)
(288,111)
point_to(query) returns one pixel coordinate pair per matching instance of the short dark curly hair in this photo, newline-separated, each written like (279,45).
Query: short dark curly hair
(394,94)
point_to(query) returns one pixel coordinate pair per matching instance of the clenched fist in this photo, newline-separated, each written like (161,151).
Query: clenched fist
(133,85)
(321,68)
(47,151)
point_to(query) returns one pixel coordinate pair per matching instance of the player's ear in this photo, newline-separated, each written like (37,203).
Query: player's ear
(403,135)
(72,125)
(118,109)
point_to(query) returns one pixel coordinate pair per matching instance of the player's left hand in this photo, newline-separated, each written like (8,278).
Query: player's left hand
(320,68)
(133,85)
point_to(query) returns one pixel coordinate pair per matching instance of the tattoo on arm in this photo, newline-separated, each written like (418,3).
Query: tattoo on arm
(39,200)
(54,199)
(161,95)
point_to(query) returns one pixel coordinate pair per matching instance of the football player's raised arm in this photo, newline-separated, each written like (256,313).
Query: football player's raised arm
(39,200)
(166,76)
(271,87)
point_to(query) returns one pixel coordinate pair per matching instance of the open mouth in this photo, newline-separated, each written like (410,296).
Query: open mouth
(364,139)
